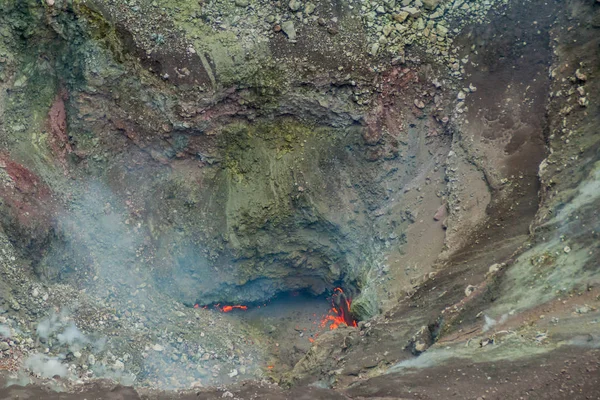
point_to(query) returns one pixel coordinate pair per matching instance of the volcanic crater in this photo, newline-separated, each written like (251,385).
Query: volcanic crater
(353,199)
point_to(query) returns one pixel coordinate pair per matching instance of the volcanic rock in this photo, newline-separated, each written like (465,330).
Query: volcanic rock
(289,29)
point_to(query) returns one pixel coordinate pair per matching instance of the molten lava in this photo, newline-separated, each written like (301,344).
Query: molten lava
(340,311)
(230,308)
(224,308)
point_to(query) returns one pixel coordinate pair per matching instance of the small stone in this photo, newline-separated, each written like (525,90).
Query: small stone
(374,49)
(440,213)
(469,290)
(309,8)
(294,5)
(430,4)
(158,347)
(441,30)
(437,14)
(288,28)
(567,249)
(420,347)
(494,268)
(277,28)
(50,2)
(412,11)
(401,16)
(461,96)
(242,3)
(233,373)
(419,104)
(580,75)
(4,346)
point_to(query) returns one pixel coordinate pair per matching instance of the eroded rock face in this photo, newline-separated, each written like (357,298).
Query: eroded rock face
(224,182)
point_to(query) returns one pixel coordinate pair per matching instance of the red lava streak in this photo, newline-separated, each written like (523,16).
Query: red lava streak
(224,308)
(340,311)
(230,308)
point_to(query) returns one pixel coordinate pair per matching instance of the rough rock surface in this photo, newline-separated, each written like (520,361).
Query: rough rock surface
(439,160)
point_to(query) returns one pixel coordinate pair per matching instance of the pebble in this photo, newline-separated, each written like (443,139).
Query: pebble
(158,347)
(4,346)
(419,104)
(289,29)
(470,289)
(295,5)
(242,3)
(440,213)
(401,16)
(412,11)
(430,4)
(374,49)
(580,75)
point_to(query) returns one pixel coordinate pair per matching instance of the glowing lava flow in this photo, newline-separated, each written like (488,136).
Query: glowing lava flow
(224,308)
(230,308)
(340,311)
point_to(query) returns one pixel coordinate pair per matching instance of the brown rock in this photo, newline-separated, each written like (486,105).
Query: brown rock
(440,214)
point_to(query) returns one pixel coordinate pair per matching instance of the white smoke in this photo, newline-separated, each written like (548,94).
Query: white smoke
(45,366)
(53,323)
(65,330)
(72,336)
(490,322)
(5,331)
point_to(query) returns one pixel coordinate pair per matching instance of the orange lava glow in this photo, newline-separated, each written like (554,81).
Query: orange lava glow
(340,311)
(231,308)
(224,308)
